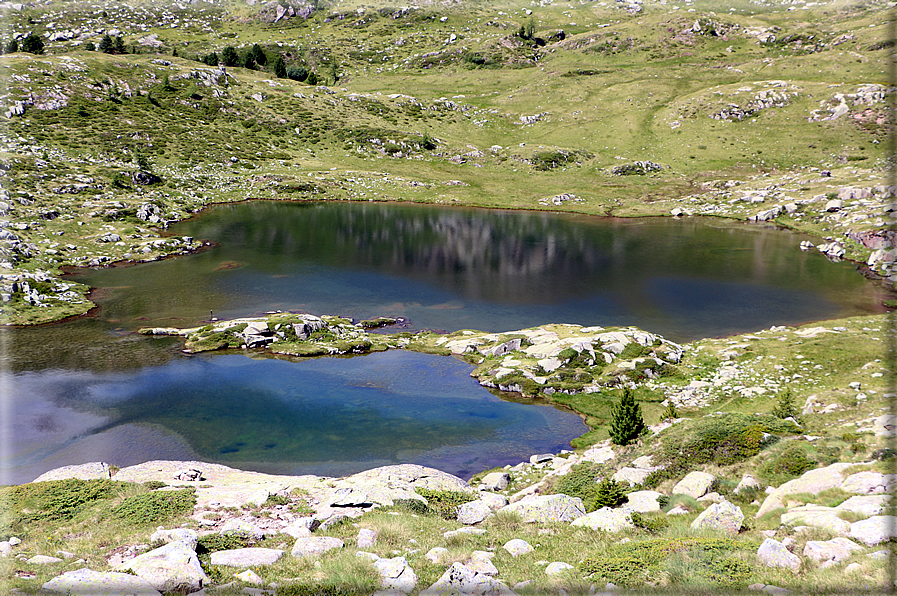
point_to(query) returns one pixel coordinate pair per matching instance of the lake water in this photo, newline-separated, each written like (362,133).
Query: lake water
(89,389)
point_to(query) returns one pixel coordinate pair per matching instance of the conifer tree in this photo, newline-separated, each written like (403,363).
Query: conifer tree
(627,423)
(785,406)
(229,56)
(280,68)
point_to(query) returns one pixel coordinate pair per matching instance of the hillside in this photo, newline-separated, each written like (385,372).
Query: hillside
(763,111)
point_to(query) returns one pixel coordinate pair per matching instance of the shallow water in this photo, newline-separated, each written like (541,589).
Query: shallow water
(89,389)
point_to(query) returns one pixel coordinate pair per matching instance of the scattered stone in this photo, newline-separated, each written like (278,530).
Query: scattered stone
(188,537)
(695,484)
(818,517)
(557,567)
(473,512)
(830,552)
(242,528)
(250,577)
(481,562)
(315,545)
(517,547)
(495,481)
(366,538)
(458,579)
(643,501)
(547,508)
(396,574)
(866,505)
(723,516)
(189,475)
(85,582)
(170,568)
(773,553)
(874,530)
(747,482)
(868,483)
(246,557)
(43,560)
(606,519)
(436,554)
(814,481)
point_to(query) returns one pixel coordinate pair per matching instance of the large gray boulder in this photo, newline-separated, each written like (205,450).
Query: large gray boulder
(723,516)
(396,574)
(830,552)
(547,508)
(473,512)
(695,484)
(868,483)
(817,516)
(631,476)
(85,582)
(185,535)
(97,470)
(246,557)
(458,579)
(517,547)
(866,505)
(874,530)
(643,501)
(773,553)
(170,568)
(814,481)
(313,546)
(495,481)
(606,520)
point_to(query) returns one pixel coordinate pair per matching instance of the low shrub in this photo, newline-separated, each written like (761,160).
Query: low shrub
(789,464)
(211,543)
(444,503)
(653,525)
(156,507)
(54,501)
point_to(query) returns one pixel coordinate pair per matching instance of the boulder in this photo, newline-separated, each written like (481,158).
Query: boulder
(493,500)
(865,505)
(517,547)
(462,532)
(43,560)
(495,481)
(242,528)
(473,512)
(818,517)
(773,553)
(366,538)
(867,483)
(606,519)
(598,455)
(557,567)
(313,546)
(396,574)
(436,554)
(547,508)
(830,552)
(747,482)
(695,484)
(188,537)
(814,481)
(874,530)
(643,501)
(250,577)
(723,516)
(85,582)
(481,562)
(458,579)
(98,470)
(170,568)
(631,476)
(246,557)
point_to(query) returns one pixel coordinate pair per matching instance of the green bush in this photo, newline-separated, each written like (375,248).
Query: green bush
(654,525)
(211,543)
(56,500)
(156,507)
(785,406)
(791,463)
(444,503)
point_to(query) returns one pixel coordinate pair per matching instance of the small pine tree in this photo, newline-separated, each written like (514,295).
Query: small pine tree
(670,413)
(609,493)
(90,47)
(248,61)
(297,74)
(258,55)
(312,79)
(229,56)
(785,406)
(12,47)
(627,423)
(33,44)
(280,68)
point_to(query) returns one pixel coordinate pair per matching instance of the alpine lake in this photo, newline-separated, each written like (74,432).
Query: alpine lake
(91,389)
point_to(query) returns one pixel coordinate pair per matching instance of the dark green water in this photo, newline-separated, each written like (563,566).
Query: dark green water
(90,389)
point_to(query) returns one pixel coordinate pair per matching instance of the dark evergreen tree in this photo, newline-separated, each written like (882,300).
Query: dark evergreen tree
(106,44)
(12,47)
(280,69)
(211,59)
(248,61)
(297,73)
(90,46)
(258,54)
(609,493)
(229,56)
(118,46)
(312,79)
(33,44)
(627,423)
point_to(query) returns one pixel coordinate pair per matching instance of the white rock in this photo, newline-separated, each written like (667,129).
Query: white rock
(773,553)
(473,512)
(366,538)
(695,484)
(170,568)
(606,519)
(557,567)
(396,574)
(874,530)
(517,547)
(315,545)
(85,582)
